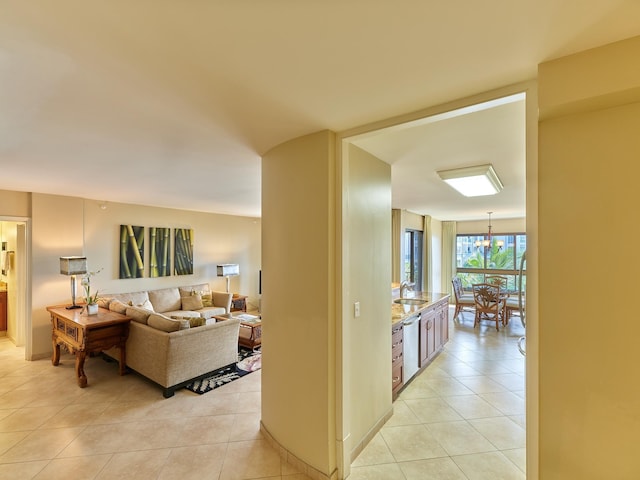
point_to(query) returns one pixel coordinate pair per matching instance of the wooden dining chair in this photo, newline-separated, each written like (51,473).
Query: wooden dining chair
(489,304)
(497,280)
(509,303)
(464,301)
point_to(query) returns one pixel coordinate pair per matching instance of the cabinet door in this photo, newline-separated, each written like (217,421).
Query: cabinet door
(445,323)
(427,340)
(437,330)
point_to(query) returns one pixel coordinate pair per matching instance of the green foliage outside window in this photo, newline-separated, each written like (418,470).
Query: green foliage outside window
(474,263)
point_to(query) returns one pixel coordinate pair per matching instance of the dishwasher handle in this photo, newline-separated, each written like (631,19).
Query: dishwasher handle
(410,321)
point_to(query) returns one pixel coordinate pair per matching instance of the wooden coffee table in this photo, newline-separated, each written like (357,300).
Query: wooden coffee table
(82,334)
(250,335)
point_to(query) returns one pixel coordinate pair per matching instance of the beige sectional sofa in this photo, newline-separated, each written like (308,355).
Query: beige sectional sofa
(173,338)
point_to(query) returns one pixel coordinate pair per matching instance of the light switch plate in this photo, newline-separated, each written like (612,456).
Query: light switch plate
(356,309)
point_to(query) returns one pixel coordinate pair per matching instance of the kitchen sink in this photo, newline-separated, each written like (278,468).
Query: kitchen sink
(410,301)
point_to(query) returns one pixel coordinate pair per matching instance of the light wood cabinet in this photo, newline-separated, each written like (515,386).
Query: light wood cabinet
(434,331)
(397,377)
(427,337)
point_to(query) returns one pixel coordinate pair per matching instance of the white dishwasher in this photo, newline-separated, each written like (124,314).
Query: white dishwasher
(411,347)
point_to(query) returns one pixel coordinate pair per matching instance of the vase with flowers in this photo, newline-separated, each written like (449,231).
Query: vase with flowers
(91,300)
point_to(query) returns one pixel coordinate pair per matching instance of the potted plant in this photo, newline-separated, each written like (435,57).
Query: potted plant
(91,300)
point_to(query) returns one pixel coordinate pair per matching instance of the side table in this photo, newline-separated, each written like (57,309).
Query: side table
(239,303)
(250,333)
(82,334)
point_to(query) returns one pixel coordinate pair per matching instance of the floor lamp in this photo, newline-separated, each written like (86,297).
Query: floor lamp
(73,266)
(228,270)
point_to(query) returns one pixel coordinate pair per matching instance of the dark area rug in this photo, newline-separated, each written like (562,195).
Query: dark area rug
(248,361)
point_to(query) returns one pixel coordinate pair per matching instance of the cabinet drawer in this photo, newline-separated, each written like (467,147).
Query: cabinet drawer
(396,356)
(396,333)
(396,376)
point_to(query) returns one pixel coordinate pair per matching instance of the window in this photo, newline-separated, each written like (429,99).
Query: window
(475,261)
(413,258)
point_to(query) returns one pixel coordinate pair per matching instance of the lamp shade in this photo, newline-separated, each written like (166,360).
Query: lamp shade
(73,265)
(228,270)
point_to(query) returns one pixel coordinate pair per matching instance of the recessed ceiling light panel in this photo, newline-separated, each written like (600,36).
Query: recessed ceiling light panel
(473,181)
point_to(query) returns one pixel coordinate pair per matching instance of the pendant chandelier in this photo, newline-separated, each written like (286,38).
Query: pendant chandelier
(486,243)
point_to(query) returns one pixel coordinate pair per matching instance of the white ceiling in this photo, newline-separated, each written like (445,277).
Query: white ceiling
(491,133)
(172,103)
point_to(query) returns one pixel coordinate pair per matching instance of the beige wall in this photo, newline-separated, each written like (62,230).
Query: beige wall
(367,270)
(299,308)
(57,224)
(502,225)
(589,146)
(73,226)
(15,204)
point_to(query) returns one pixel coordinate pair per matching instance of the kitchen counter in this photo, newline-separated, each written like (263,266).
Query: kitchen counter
(418,334)
(400,312)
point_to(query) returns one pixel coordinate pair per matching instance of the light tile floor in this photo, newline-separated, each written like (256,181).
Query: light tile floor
(461,418)
(122,428)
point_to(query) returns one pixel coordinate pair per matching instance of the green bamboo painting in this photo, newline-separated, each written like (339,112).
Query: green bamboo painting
(159,262)
(131,251)
(183,255)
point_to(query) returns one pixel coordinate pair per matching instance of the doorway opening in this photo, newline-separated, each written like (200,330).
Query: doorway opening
(14,282)
(416,145)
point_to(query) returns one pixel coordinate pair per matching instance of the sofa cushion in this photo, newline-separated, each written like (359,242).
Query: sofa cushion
(209,312)
(136,298)
(160,322)
(222,299)
(181,313)
(192,302)
(138,314)
(165,299)
(117,306)
(103,302)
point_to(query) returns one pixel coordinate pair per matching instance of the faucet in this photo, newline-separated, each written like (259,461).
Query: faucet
(404,286)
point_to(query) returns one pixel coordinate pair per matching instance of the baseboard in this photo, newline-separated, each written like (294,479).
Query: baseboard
(357,450)
(294,461)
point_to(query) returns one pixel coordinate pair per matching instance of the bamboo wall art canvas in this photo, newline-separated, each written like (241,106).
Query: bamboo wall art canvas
(159,254)
(131,251)
(183,256)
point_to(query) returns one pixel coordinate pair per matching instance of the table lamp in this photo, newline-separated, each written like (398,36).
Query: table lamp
(73,266)
(228,270)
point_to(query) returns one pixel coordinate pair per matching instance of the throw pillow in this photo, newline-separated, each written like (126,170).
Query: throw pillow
(104,302)
(207,299)
(138,314)
(192,302)
(165,324)
(146,305)
(118,307)
(193,321)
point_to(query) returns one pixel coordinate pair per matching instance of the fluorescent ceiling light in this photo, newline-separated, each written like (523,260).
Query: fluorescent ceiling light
(473,181)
